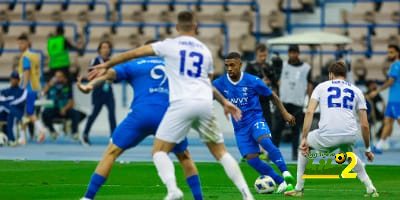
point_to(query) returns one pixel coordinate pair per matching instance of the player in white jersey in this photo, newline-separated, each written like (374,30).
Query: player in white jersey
(338,100)
(189,67)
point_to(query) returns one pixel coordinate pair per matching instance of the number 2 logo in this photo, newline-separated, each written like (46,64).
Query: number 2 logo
(197,59)
(334,98)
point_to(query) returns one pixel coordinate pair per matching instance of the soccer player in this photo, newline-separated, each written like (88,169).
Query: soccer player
(243,90)
(338,100)
(392,111)
(28,69)
(189,67)
(148,80)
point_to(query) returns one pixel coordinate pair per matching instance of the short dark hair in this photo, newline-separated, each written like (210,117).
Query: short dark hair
(261,47)
(150,41)
(393,46)
(338,68)
(233,55)
(23,36)
(185,20)
(104,42)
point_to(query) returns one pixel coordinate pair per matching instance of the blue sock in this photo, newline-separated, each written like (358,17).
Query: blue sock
(195,187)
(274,154)
(264,169)
(95,183)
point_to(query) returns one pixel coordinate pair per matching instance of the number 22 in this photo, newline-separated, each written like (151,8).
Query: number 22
(347,100)
(196,64)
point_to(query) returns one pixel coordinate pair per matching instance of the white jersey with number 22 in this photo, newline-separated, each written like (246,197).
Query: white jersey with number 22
(339,101)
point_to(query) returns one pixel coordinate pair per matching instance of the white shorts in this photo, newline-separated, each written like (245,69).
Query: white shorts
(183,115)
(330,143)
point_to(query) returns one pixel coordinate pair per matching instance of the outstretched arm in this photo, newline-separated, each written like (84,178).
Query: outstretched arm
(385,85)
(146,50)
(286,115)
(109,76)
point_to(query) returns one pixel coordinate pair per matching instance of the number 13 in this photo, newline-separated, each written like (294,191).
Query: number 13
(196,63)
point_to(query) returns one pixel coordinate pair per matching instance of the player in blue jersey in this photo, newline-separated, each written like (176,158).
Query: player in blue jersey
(393,106)
(147,78)
(243,90)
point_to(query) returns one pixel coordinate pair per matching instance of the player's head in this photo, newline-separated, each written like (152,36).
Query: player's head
(261,53)
(14,79)
(105,48)
(23,42)
(294,52)
(60,77)
(371,85)
(337,70)
(233,63)
(393,52)
(186,23)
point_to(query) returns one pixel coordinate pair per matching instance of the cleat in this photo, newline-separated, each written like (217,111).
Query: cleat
(288,177)
(294,193)
(21,141)
(75,137)
(85,141)
(53,136)
(281,188)
(174,195)
(373,194)
(375,150)
(84,198)
(12,143)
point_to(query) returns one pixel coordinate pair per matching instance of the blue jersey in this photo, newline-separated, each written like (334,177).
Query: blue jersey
(245,95)
(148,80)
(15,96)
(394,91)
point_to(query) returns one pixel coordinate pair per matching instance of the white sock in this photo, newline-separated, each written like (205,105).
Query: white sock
(232,169)
(362,174)
(286,173)
(165,169)
(22,135)
(301,166)
(38,125)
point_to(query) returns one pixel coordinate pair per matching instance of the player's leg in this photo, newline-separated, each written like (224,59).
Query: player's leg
(173,129)
(95,112)
(212,136)
(189,169)
(125,136)
(387,130)
(260,132)
(362,175)
(30,112)
(48,115)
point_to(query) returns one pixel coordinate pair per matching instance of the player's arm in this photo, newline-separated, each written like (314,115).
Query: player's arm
(229,108)
(110,76)
(146,50)
(362,114)
(286,115)
(310,86)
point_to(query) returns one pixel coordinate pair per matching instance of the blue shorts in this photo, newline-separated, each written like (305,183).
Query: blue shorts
(138,125)
(30,102)
(393,110)
(247,137)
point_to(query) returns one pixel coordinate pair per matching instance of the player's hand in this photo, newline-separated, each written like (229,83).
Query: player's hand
(373,94)
(304,148)
(97,71)
(230,108)
(63,112)
(370,156)
(290,119)
(83,88)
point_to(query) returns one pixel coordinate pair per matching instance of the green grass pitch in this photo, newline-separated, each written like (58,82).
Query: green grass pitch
(68,180)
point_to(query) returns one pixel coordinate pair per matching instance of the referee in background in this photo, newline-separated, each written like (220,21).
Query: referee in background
(102,95)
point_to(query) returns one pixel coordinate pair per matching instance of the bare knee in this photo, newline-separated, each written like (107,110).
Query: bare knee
(251,156)
(217,149)
(161,145)
(113,150)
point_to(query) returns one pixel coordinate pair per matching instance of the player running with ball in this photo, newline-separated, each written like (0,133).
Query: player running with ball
(243,90)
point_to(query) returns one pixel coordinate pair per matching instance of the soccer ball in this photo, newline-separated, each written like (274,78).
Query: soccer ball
(3,139)
(264,184)
(340,158)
